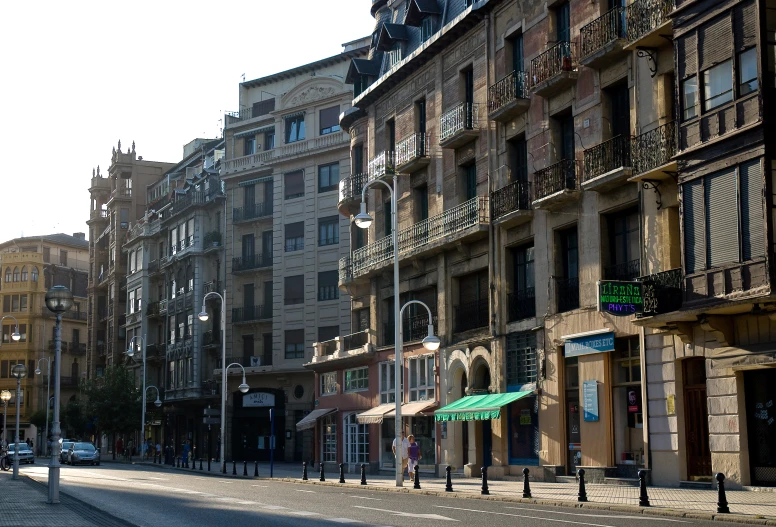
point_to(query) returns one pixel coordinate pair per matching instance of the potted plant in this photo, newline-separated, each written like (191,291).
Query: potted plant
(213,238)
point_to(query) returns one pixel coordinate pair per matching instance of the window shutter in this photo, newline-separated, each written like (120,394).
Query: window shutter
(694,246)
(329,117)
(295,230)
(687,55)
(752,215)
(721,218)
(745,23)
(715,42)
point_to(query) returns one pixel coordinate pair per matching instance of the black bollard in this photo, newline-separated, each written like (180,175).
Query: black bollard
(323,477)
(582,496)
(200,463)
(234,467)
(245,468)
(255,469)
(417,478)
(177,462)
(130,457)
(342,473)
(304,471)
(363,473)
(193,464)
(643,498)
(208,464)
(722,504)
(526,485)
(449,483)
(485,489)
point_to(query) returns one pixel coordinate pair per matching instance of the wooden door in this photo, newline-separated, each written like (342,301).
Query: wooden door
(696,419)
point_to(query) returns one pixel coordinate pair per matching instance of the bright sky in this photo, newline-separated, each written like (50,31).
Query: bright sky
(78,76)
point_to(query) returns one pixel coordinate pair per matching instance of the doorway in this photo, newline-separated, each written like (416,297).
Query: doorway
(696,420)
(573,433)
(760,392)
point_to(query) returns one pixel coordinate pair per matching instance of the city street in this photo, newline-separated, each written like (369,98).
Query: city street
(146,496)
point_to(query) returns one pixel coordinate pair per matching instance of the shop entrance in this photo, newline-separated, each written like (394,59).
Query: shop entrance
(760,416)
(251,426)
(696,420)
(573,435)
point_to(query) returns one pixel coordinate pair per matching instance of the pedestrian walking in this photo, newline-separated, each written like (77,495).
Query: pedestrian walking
(414,455)
(403,452)
(186,450)
(119,447)
(130,446)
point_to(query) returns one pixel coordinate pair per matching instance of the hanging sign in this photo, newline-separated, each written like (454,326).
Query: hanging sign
(590,398)
(258,400)
(621,299)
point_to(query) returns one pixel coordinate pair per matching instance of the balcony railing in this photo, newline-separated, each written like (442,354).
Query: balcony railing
(607,156)
(567,294)
(252,261)
(411,148)
(623,271)
(354,341)
(213,286)
(464,116)
(251,313)
(391,58)
(248,161)
(662,292)
(210,338)
(510,198)
(522,304)
(350,187)
(555,178)
(644,16)
(345,270)
(512,87)
(654,149)
(412,328)
(381,165)
(257,210)
(560,57)
(471,315)
(327,347)
(602,31)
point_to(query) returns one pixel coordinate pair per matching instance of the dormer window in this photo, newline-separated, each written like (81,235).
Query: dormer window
(426,29)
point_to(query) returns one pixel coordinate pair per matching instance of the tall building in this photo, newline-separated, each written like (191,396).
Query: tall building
(29,266)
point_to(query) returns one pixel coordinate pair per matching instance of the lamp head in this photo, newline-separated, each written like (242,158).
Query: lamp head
(362,219)
(203,316)
(431,342)
(131,351)
(19,371)
(244,387)
(5,396)
(59,299)
(37,371)
(157,402)
(15,335)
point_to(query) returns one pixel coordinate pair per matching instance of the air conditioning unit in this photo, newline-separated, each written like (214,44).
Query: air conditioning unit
(255,361)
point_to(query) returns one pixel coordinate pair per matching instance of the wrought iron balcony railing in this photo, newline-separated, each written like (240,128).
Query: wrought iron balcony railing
(512,87)
(602,31)
(623,271)
(252,261)
(381,165)
(257,210)
(471,315)
(464,116)
(654,149)
(250,313)
(354,341)
(560,57)
(555,178)
(662,292)
(411,148)
(607,156)
(567,293)
(510,198)
(522,304)
(412,328)
(345,270)
(644,16)
(350,187)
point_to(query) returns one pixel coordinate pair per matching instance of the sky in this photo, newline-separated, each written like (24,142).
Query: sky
(79,76)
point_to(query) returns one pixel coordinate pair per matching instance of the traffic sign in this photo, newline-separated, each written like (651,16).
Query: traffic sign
(211,420)
(214,412)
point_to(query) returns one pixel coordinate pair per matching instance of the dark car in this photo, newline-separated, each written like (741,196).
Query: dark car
(83,453)
(25,453)
(63,453)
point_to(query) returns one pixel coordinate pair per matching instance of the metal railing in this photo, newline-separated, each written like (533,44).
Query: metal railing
(654,148)
(512,87)
(555,178)
(560,57)
(250,313)
(607,156)
(257,210)
(381,165)
(463,116)
(345,270)
(163,306)
(411,148)
(623,271)
(412,328)
(522,304)
(602,31)
(644,16)
(351,186)
(510,198)
(327,347)
(662,292)
(252,261)
(567,294)
(471,315)
(354,341)
(213,286)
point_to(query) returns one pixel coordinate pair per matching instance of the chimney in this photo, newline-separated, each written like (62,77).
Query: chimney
(79,236)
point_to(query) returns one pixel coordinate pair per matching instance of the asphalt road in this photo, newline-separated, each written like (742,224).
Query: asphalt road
(147,496)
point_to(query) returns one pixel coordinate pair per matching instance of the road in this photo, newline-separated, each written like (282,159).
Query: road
(148,496)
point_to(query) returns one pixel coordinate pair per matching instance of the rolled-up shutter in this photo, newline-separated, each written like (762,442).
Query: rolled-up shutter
(752,215)
(692,208)
(745,23)
(715,42)
(722,218)
(329,117)
(687,55)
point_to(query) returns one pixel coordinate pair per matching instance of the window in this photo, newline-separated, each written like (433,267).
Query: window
(46,254)
(567,285)
(171,374)
(329,120)
(269,140)
(421,378)
(426,28)
(689,98)
(294,343)
(34,274)
(7,274)
(15,303)
(294,184)
(131,302)
(10,328)
(387,220)
(295,236)
(356,379)
(327,285)
(328,231)
(360,85)
(249,145)
(470,182)
(24,273)
(329,383)
(329,439)
(516,46)
(62,257)
(718,85)
(521,360)
(294,289)
(522,298)
(327,333)
(563,23)
(626,361)
(189,325)
(357,162)
(387,382)
(23,303)
(747,71)
(15,274)
(624,247)
(295,128)
(356,440)
(328,177)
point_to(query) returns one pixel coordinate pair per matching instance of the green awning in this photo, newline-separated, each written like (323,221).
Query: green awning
(478,407)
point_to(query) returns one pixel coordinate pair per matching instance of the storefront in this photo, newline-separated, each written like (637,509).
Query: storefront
(252,425)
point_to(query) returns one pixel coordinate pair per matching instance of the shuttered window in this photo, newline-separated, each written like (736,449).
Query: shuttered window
(715,42)
(694,244)
(687,55)
(752,219)
(721,215)
(329,120)
(745,25)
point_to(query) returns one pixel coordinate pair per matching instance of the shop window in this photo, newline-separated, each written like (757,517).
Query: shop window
(329,439)
(356,379)
(627,404)
(521,361)
(329,383)
(356,440)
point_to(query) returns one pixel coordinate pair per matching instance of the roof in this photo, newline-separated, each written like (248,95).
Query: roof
(417,9)
(367,67)
(312,66)
(54,239)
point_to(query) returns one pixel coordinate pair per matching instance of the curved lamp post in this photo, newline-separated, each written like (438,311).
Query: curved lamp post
(58,300)
(48,397)
(19,372)
(131,353)
(5,396)
(15,336)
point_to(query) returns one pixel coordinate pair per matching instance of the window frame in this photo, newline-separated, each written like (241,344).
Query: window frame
(329,290)
(691,81)
(359,382)
(387,394)
(707,81)
(297,352)
(324,225)
(329,186)
(426,391)
(290,185)
(740,82)
(328,384)
(290,134)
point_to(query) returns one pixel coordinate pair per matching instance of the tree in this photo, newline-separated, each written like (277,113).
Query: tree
(114,401)
(73,419)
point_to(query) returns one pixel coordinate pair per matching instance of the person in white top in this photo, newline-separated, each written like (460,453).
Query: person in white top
(405,452)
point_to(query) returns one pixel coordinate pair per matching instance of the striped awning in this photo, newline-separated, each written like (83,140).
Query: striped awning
(254,131)
(376,414)
(254,181)
(478,407)
(412,409)
(312,418)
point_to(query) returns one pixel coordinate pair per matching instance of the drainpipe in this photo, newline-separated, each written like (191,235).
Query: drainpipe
(494,331)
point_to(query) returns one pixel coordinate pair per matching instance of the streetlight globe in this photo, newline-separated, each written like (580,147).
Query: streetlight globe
(59,299)
(15,335)
(203,316)
(157,402)
(5,396)
(362,219)
(131,351)
(19,371)
(431,342)
(37,371)
(244,387)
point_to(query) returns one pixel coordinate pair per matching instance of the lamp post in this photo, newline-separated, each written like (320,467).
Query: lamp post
(5,396)
(131,353)
(15,336)
(363,220)
(48,397)
(203,316)
(19,372)
(58,300)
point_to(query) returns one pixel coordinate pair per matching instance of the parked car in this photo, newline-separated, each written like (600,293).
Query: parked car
(83,453)
(63,453)
(25,453)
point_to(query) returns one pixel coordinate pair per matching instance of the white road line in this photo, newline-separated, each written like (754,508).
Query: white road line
(304,513)
(343,520)
(310,491)
(365,498)
(523,516)
(274,507)
(599,515)
(227,482)
(247,502)
(263,486)
(410,514)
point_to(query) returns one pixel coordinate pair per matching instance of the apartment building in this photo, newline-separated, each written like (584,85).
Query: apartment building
(29,266)
(285,153)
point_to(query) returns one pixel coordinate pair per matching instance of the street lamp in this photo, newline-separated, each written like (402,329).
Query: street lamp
(58,300)
(15,336)
(157,402)
(5,396)
(19,372)
(131,353)
(48,396)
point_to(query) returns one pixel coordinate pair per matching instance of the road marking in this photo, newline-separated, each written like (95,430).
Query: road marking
(366,498)
(263,486)
(523,516)
(599,515)
(161,479)
(410,514)
(310,491)
(304,513)
(227,482)
(246,502)
(343,520)
(274,507)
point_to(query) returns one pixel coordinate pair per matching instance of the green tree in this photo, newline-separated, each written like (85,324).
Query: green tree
(114,401)
(38,418)
(74,420)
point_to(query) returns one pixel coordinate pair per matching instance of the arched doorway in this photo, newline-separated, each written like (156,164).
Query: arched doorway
(483,430)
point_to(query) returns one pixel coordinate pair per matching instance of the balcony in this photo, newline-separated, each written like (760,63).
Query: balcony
(352,350)
(567,294)
(193,198)
(250,262)
(261,160)
(459,125)
(602,40)
(254,212)
(648,24)
(556,185)
(381,166)
(163,307)
(521,304)
(210,339)
(78,348)
(69,382)
(509,97)
(625,271)
(156,351)
(662,292)
(607,165)
(511,204)
(471,315)
(213,286)
(350,193)
(412,153)
(652,154)
(413,328)
(554,70)
(244,315)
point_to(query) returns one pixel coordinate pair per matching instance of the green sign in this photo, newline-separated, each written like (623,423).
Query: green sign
(621,299)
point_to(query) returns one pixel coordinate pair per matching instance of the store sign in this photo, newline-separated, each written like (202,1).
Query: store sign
(634,400)
(258,400)
(590,400)
(588,345)
(621,299)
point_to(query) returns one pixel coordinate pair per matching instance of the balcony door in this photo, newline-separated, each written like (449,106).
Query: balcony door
(696,420)
(390,135)
(249,300)
(267,297)
(624,247)
(619,110)
(266,244)
(248,247)
(563,23)
(518,160)
(268,194)
(468,80)
(249,200)
(420,108)
(566,128)
(516,45)
(247,351)
(568,283)
(522,303)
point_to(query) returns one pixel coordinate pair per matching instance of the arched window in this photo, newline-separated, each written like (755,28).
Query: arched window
(24,273)
(15,274)
(34,274)
(7,274)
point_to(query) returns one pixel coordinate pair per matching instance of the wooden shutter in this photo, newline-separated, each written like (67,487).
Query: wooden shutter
(715,41)
(745,25)
(687,55)
(722,218)
(329,117)
(752,212)
(692,208)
